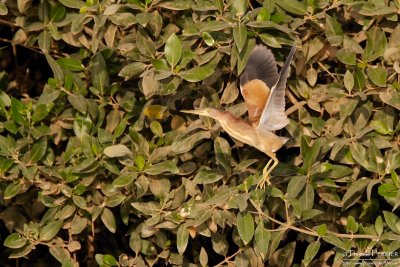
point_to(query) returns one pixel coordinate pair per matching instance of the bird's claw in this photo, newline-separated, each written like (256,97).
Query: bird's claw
(266,174)
(264,180)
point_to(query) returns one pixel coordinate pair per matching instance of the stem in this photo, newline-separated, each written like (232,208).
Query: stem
(227,259)
(311,232)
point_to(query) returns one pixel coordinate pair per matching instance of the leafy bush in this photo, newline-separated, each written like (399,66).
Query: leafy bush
(100,166)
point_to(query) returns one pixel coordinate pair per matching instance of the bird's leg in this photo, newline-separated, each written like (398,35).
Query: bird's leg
(267,166)
(267,171)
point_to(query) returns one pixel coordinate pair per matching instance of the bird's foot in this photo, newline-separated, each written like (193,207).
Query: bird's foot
(264,180)
(266,174)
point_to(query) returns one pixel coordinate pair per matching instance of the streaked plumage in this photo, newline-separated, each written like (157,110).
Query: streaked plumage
(265,106)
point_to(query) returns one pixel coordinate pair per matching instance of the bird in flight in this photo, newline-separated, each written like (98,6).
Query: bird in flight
(263,90)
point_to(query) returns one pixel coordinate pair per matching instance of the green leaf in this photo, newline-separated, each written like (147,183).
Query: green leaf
(388,190)
(40,113)
(156,128)
(206,175)
(14,240)
(348,81)
(377,75)
(12,190)
(359,79)
(197,73)
(123,19)
(392,221)
(124,179)
(44,41)
(347,56)
(70,64)
(293,6)
(311,252)
(390,97)
(79,102)
(334,240)
(107,217)
(82,125)
(55,67)
(99,73)
(309,154)
(307,198)
(38,150)
(352,225)
(132,70)
(176,4)
(116,151)
(167,166)
(219,244)
(355,189)
(110,260)
(3,9)
(48,97)
(173,50)
(5,164)
(57,12)
(140,162)
(322,229)
(239,6)
(182,238)
(223,153)
(379,225)
(240,36)
(360,154)
(262,237)
(263,14)
(50,230)
(295,185)
(270,40)
(213,26)
(19,110)
(376,44)
(333,31)
(145,44)
(208,39)
(245,226)
(77,4)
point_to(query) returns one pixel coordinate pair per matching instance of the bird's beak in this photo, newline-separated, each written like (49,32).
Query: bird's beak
(202,112)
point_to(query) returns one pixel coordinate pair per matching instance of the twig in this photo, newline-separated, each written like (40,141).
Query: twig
(311,232)
(5,22)
(329,73)
(226,260)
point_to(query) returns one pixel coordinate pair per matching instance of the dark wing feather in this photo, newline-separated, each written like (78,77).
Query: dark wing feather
(261,66)
(273,117)
(260,74)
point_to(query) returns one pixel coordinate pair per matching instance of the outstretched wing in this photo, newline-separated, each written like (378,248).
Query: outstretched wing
(260,74)
(273,116)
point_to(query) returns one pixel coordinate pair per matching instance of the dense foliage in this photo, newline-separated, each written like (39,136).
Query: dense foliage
(99,166)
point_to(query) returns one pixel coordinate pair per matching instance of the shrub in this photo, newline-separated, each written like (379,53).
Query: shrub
(98,164)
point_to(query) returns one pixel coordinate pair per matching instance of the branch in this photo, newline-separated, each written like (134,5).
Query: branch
(311,232)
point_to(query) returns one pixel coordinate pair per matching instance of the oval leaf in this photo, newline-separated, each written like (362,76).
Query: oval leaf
(50,230)
(182,238)
(173,50)
(245,225)
(196,74)
(107,217)
(116,151)
(14,241)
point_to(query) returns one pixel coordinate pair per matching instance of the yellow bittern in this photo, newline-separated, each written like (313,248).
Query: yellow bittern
(263,90)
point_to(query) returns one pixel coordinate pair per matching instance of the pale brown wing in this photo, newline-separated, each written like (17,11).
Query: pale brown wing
(273,116)
(260,74)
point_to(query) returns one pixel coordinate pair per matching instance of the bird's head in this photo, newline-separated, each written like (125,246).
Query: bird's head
(208,112)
